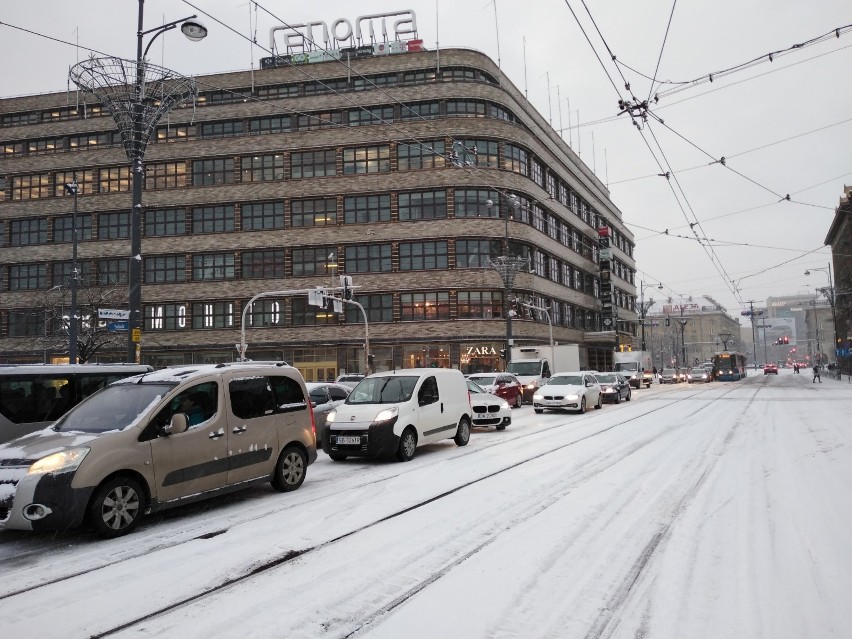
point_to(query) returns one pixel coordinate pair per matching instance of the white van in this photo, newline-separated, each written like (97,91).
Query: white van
(392,413)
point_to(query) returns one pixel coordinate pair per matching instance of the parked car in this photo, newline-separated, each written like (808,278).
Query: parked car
(770,368)
(488,409)
(157,440)
(350,379)
(698,374)
(669,376)
(324,397)
(393,412)
(503,385)
(614,387)
(564,391)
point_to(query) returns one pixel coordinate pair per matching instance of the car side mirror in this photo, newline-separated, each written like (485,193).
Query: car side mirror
(313,404)
(177,425)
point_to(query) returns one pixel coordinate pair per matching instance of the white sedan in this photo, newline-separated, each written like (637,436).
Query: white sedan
(568,391)
(488,409)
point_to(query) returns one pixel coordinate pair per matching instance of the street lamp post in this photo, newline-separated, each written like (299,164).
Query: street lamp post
(73,188)
(643,308)
(829,295)
(136,110)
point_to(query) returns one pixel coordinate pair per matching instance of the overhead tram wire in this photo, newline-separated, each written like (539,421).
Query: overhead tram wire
(662,48)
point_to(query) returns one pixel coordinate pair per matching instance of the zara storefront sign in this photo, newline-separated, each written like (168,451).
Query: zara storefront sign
(341,39)
(479,351)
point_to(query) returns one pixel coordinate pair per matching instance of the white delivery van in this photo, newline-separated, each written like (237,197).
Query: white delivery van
(392,413)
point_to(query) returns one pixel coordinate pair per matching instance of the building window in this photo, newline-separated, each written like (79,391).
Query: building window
(172,133)
(364,209)
(459,74)
(423,205)
(420,111)
(379,308)
(425,306)
(480,304)
(326,86)
(112,272)
(313,121)
(476,152)
(85,182)
(538,220)
(277,92)
(114,226)
(213,219)
(211,172)
(375,258)
(165,222)
(165,269)
(313,164)
(13,149)
(27,232)
(304,314)
(373,81)
(221,129)
(51,145)
(551,185)
(314,261)
(27,277)
(213,266)
(476,253)
(266,313)
(114,180)
(313,212)
(475,203)
(370,115)
(419,77)
(27,323)
(62,228)
(366,159)
(262,168)
(540,264)
(260,264)
(466,108)
(31,187)
(63,271)
(262,216)
(516,159)
(418,256)
(213,315)
(165,175)
(537,172)
(165,317)
(272,124)
(421,155)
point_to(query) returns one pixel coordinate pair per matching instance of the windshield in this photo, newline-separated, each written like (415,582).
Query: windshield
(669,371)
(525,368)
(113,408)
(484,380)
(565,380)
(606,378)
(383,390)
(627,366)
(473,387)
(697,371)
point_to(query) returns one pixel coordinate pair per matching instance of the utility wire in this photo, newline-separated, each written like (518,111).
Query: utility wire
(659,59)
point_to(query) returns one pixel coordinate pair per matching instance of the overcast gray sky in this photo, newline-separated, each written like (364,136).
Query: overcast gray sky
(784,127)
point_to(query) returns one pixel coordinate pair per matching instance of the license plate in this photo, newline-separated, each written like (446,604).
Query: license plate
(343,440)
(552,402)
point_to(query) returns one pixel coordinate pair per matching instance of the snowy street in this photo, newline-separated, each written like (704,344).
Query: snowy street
(700,511)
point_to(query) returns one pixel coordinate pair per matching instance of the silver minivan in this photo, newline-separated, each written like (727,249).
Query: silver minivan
(158,440)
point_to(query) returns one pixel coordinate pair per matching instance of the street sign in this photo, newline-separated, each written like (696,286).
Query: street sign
(606,253)
(115,327)
(113,313)
(136,335)
(315,297)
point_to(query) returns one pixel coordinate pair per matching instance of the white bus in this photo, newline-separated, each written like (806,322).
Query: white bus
(33,396)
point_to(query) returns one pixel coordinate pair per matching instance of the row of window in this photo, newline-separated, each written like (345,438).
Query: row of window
(295,311)
(269,92)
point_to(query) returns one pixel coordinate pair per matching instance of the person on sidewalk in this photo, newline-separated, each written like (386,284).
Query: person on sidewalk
(816,374)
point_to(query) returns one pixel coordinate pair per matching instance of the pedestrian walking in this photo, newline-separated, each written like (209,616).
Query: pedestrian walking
(816,374)
(795,368)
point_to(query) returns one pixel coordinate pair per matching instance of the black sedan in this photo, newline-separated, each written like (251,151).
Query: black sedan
(614,387)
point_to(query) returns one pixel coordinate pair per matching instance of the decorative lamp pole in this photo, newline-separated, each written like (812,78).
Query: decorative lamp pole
(73,188)
(136,110)
(643,308)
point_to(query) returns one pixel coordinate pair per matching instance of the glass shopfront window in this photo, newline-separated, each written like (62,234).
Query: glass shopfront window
(426,356)
(481,357)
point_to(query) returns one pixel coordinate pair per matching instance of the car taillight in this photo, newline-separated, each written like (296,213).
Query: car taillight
(313,422)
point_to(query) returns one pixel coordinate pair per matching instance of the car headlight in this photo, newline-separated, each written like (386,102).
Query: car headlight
(572,398)
(531,386)
(67,460)
(504,406)
(538,396)
(387,414)
(331,415)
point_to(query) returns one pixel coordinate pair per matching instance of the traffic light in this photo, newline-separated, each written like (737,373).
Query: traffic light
(668,321)
(346,285)
(502,353)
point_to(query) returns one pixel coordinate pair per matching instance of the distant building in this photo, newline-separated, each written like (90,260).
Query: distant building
(840,239)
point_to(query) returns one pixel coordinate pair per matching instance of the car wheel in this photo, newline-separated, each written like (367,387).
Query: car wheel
(582,405)
(503,427)
(463,432)
(407,444)
(538,410)
(519,400)
(337,457)
(618,397)
(627,399)
(117,507)
(599,405)
(290,469)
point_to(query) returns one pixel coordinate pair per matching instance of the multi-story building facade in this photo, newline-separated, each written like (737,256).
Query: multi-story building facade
(407,172)
(839,238)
